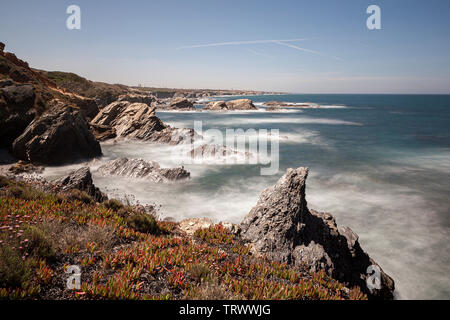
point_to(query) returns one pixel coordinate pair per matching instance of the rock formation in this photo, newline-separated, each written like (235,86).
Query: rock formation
(181,104)
(139,168)
(59,136)
(282,227)
(232,105)
(214,151)
(80,179)
(137,121)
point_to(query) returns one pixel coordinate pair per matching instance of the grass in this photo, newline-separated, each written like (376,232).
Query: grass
(127,254)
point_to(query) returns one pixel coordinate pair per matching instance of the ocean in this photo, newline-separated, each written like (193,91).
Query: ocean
(379,163)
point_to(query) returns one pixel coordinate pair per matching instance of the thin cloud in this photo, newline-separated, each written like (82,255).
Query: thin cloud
(306,50)
(285,42)
(237,43)
(259,53)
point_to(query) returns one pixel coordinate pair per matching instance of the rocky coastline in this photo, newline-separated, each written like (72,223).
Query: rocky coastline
(45,123)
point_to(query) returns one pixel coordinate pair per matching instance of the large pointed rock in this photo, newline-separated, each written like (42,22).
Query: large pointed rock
(282,227)
(80,179)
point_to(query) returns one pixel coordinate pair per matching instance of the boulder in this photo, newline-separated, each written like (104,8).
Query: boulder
(139,168)
(80,179)
(282,227)
(138,121)
(180,104)
(59,136)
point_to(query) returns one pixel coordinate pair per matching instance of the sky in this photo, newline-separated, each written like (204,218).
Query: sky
(236,44)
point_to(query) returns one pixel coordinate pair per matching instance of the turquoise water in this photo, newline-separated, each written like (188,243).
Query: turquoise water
(379,163)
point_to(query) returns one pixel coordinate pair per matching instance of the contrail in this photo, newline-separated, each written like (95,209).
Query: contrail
(306,50)
(236,43)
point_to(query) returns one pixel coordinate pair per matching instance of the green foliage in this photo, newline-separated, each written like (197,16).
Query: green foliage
(13,270)
(143,222)
(113,204)
(39,245)
(82,196)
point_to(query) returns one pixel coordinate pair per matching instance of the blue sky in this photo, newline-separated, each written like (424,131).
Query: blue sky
(140,42)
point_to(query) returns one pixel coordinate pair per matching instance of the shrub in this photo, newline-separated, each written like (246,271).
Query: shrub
(13,270)
(19,190)
(200,272)
(3,181)
(39,244)
(143,222)
(82,196)
(113,204)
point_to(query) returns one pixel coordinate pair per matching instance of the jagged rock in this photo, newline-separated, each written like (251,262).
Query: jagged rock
(138,121)
(281,104)
(139,168)
(16,110)
(103,133)
(239,104)
(80,179)
(2,47)
(59,136)
(283,228)
(181,104)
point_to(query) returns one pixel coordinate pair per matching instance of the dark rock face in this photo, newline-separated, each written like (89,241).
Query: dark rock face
(138,121)
(139,168)
(59,136)
(16,110)
(283,228)
(80,179)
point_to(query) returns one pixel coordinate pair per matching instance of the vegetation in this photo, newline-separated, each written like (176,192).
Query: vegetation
(126,254)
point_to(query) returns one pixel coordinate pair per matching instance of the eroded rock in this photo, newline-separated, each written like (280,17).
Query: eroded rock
(80,179)
(282,227)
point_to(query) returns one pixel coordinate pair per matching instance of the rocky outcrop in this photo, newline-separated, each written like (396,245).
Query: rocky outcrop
(281,104)
(137,121)
(16,110)
(216,106)
(80,179)
(59,136)
(282,227)
(232,105)
(181,104)
(139,168)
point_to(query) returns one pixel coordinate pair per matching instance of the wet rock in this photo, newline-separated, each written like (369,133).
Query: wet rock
(59,136)
(25,167)
(282,227)
(139,168)
(214,151)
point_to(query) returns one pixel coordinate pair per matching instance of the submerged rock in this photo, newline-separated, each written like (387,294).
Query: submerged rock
(282,227)
(140,168)
(57,137)
(80,179)
(239,104)
(137,121)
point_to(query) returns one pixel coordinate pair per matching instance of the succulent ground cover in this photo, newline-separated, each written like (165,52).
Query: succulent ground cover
(125,253)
